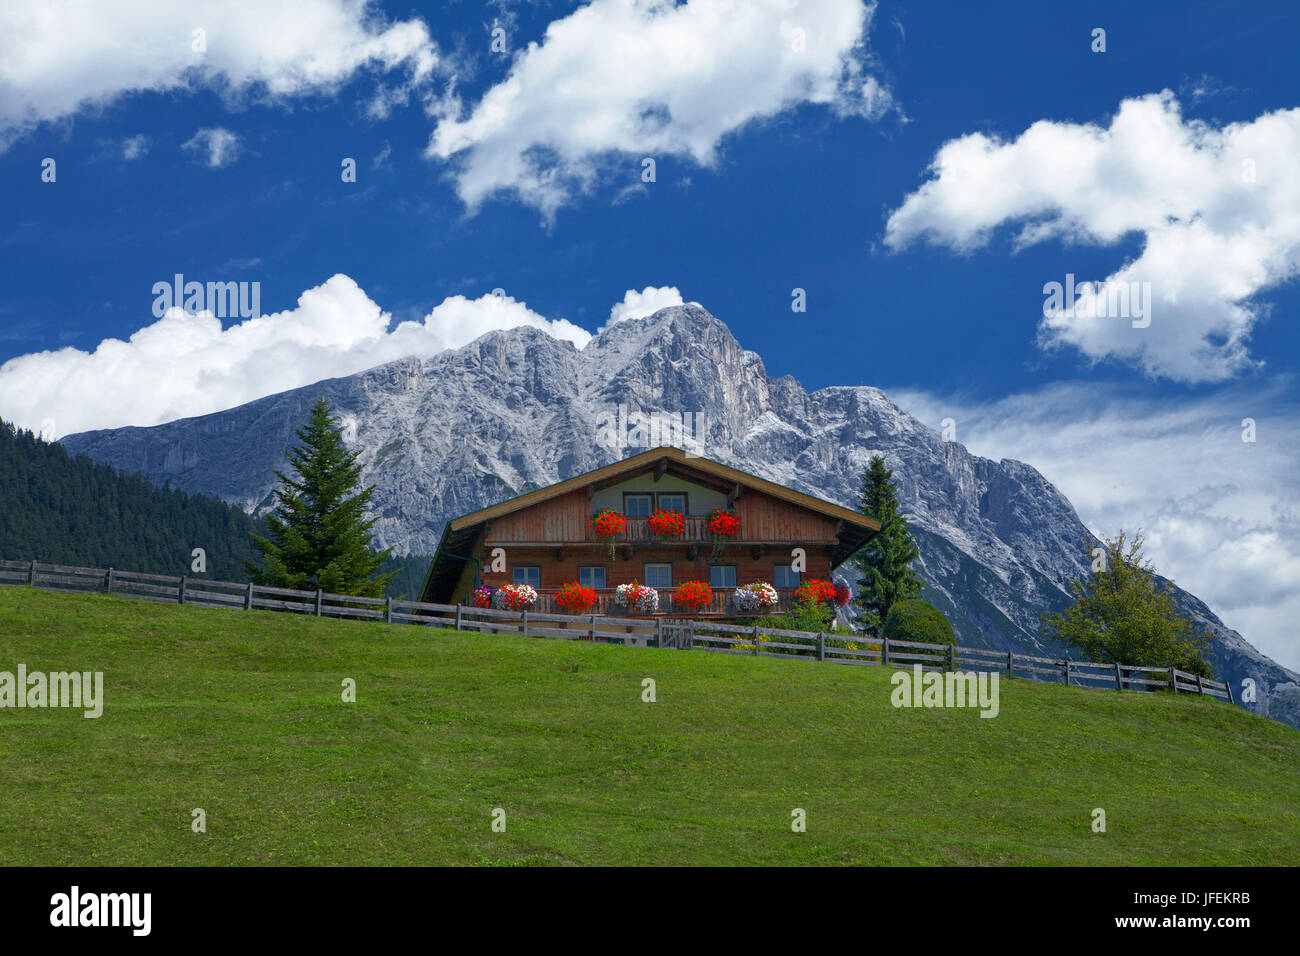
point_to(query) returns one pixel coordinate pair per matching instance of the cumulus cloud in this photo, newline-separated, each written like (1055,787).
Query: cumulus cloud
(219,147)
(54,61)
(637,305)
(651,78)
(134,147)
(1217,209)
(186,364)
(1216,510)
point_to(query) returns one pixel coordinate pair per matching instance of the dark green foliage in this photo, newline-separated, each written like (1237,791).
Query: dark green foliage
(885,562)
(1122,614)
(408,575)
(803,615)
(318,536)
(63,510)
(916,619)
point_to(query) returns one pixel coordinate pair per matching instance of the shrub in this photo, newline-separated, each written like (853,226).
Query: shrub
(916,619)
(575,598)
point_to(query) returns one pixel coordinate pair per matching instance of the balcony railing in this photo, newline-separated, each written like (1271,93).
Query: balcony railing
(721,604)
(638,530)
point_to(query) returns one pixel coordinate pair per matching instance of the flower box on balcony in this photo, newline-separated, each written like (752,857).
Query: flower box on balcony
(637,598)
(670,524)
(724,523)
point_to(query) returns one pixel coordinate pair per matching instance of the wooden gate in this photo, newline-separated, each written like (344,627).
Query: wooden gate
(679,635)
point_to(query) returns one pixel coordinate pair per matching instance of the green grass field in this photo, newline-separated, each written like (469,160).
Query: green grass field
(241,714)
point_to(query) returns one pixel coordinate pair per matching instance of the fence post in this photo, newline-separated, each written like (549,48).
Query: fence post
(593,628)
(659,632)
(180,592)
(755,640)
(248,599)
(1200,685)
(525,622)
(388,610)
(821,647)
(320,598)
(1173,679)
(1067,672)
(1119,677)
(458,607)
(109,581)
(1011,664)
(884,649)
(1227,685)
(31,574)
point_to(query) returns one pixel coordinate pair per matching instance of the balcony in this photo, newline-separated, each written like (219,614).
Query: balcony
(638,532)
(605,605)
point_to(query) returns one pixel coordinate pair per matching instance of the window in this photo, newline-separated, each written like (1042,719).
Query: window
(530,576)
(591,577)
(674,502)
(659,575)
(722,576)
(637,506)
(784,576)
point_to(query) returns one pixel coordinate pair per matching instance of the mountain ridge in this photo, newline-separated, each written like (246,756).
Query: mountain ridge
(516,409)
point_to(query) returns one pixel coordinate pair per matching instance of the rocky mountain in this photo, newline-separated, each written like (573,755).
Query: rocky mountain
(518,409)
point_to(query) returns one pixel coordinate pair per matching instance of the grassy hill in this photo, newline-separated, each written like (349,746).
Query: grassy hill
(240,714)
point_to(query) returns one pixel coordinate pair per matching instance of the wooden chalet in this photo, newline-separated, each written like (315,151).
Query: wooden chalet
(547,540)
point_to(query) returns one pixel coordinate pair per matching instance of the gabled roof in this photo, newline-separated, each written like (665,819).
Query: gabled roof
(461,533)
(677,462)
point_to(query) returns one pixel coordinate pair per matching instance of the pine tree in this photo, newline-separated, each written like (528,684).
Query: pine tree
(885,562)
(1121,614)
(317,536)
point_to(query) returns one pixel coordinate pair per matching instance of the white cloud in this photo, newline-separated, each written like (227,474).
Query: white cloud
(650,78)
(1217,208)
(637,305)
(134,147)
(54,61)
(219,147)
(186,364)
(1216,511)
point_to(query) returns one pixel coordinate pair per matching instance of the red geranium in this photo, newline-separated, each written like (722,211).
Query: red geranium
(692,596)
(575,598)
(815,591)
(609,523)
(670,524)
(724,522)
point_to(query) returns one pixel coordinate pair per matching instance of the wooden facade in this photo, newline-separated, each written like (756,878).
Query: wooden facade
(546,539)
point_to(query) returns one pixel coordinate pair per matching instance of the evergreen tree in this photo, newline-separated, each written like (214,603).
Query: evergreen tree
(1121,614)
(885,562)
(317,536)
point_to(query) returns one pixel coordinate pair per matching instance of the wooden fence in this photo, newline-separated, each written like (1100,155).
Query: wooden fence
(753,640)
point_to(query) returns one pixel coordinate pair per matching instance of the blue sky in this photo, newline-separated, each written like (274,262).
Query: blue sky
(776,169)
